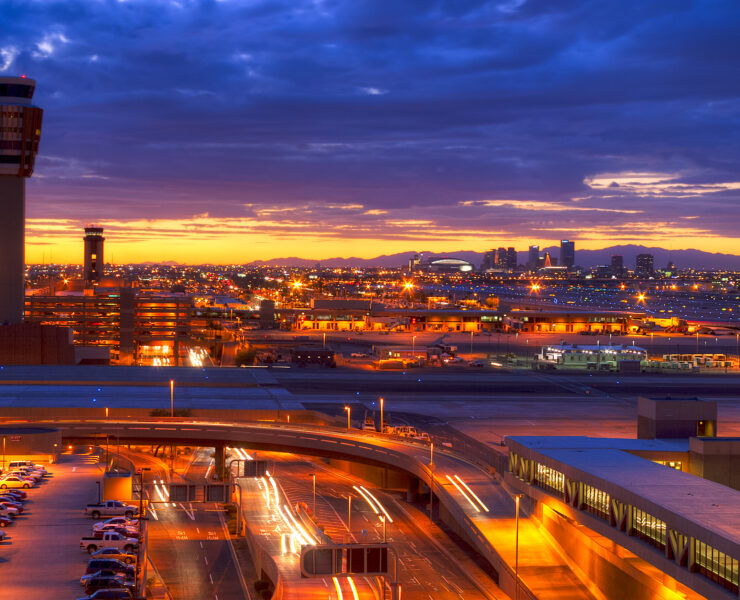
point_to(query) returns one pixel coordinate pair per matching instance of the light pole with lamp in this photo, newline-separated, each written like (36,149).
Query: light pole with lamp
(3,453)
(313,475)
(517,498)
(382,426)
(349,412)
(413,345)
(172,397)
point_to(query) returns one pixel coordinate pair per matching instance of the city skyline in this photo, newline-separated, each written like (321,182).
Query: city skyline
(326,129)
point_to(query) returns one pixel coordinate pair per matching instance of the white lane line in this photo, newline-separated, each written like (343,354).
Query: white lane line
(189,513)
(201,543)
(205,558)
(211,578)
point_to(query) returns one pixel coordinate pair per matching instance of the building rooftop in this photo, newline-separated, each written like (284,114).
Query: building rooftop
(676,497)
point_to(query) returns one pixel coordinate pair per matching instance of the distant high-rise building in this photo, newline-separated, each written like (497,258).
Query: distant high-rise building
(533,257)
(20,132)
(501,258)
(644,265)
(617,264)
(511,259)
(567,253)
(489,260)
(93,253)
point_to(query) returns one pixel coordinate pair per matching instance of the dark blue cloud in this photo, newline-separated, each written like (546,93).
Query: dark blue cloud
(411,107)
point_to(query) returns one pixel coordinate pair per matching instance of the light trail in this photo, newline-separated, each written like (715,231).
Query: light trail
(339,590)
(472,493)
(367,499)
(462,492)
(380,506)
(353,588)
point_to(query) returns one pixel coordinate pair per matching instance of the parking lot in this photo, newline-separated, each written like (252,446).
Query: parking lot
(40,557)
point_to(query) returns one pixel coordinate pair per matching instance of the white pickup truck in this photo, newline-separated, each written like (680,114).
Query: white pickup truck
(111,508)
(110,539)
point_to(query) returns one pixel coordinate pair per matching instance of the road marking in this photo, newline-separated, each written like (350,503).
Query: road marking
(154,513)
(201,543)
(197,530)
(205,558)
(181,535)
(189,513)
(211,578)
(212,535)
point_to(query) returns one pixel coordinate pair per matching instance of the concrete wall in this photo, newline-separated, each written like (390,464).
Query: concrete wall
(382,477)
(673,417)
(716,459)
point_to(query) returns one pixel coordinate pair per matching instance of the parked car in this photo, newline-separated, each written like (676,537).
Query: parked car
(126,557)
(109,539)
(110,594)
(20,494)
(26,474)
(10,504)
(5,521)
(8,511)
(98,564)
(102,573)
(13,481)
(15,464)
(111,508)
(132,532)
(120,521)
(104,582)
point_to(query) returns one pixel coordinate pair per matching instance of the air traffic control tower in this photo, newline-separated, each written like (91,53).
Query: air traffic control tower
(20,132)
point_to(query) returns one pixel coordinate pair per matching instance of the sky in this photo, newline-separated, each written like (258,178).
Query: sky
(205,131)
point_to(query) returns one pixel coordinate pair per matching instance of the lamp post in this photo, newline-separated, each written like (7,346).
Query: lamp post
(324,342)
(349,513)
(382,427)
(471,342)
(3,453)
(313,475)
(413,345)
(517,498)
(349,412)
(172,397)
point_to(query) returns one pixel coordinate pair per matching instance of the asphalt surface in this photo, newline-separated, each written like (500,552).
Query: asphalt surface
(188,544)
(430,566)
(41,556)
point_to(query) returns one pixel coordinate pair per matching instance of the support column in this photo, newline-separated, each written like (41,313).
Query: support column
(219,458)
(412,489)
(12,251)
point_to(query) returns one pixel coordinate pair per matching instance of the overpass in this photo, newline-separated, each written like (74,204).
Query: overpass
(462,493)
(483,513)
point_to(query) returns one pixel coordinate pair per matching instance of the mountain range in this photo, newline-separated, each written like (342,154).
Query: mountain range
(683,259)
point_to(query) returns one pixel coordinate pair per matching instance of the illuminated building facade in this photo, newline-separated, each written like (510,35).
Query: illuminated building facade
(137,327)
(644,265)
(567,253)
(20,132)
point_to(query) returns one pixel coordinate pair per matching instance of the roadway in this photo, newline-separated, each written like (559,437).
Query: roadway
(188,544)
(431,566)
(491,533)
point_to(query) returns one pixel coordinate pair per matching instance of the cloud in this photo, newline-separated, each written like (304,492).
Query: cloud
(496,120)
(7,56)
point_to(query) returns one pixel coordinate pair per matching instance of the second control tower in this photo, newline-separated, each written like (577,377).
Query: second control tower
(20,132)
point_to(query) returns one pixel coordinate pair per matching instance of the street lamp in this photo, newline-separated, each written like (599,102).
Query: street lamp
(349,513)
(172,397)
(382,427)
(313,475)
(413,345)
(517,498)
(349,412)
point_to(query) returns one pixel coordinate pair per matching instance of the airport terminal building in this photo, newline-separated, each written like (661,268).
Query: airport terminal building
(672,525)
